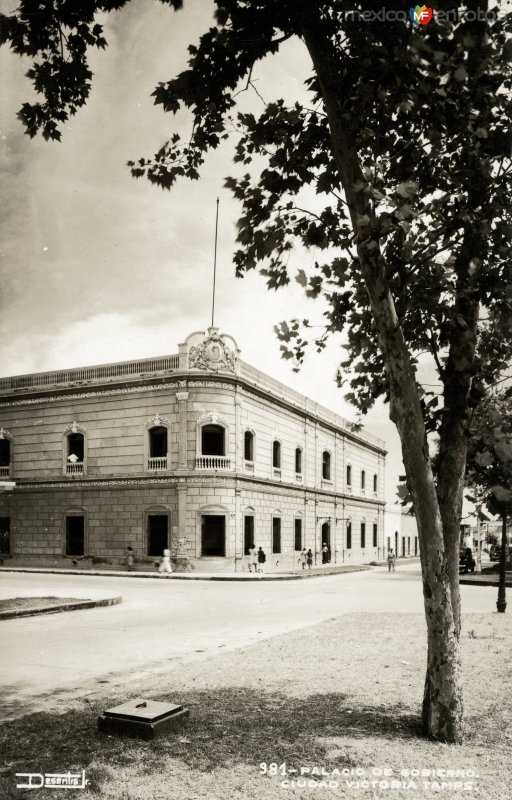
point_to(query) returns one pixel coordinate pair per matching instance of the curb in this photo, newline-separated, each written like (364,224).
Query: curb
(477,582)
(33,612)
(187,576)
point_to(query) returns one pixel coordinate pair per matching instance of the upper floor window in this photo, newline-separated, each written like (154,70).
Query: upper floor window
(298,460)
(326,465)
(363,480)
(375,483)
(349,475)
(158,445)
(158,442)
(276,454)
(249,446)
(75,453)
(5,454)
(213,440)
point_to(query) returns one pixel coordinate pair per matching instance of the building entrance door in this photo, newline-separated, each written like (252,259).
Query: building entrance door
(326,542)
(158,534)
(75,544)
(213,535)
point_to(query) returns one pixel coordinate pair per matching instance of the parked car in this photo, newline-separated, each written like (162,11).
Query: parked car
(495,552)
(467,562)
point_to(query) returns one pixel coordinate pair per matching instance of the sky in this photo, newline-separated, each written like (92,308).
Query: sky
(97,267)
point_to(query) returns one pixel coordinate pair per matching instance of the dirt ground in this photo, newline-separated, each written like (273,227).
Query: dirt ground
(340,698)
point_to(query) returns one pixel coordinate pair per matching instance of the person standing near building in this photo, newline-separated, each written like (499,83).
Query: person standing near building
(309,558)
(165,563)
(303,558)
(253,558)
(325,554)
(129,558)
(391,560)
(261,559)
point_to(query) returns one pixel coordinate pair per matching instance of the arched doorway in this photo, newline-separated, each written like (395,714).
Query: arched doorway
(326,543)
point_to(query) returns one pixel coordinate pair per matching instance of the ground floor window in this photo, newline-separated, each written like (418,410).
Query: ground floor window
(363,535)
(298,534)
(403,546)
(75,535)
(415,545)
(213,535)
(158,534)
(408,545)
(5,536)
(375,534)
(248,534)
(349,535)
(276,534)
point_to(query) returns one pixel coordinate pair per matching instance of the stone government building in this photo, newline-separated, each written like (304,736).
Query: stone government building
(197,447)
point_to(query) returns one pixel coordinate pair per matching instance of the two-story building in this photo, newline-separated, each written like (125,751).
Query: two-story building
(196,447)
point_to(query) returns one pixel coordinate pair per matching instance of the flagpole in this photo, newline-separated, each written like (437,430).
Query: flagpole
(215,260)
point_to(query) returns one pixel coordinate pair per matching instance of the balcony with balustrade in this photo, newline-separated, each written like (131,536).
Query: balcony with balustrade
(157,464)
(75,468)
(213,462)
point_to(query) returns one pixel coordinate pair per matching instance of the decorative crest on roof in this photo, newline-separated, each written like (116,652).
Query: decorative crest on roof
(212,354)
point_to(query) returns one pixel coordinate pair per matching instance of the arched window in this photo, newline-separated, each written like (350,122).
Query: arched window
(75,453)
(249,446)
(158,442)
(349,475)
(326,465)
(276,454)
(298,461)
(363,480)
(5,454)
(213,440)
(157,447)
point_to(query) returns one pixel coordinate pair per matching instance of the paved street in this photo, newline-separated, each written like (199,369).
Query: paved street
(165,623)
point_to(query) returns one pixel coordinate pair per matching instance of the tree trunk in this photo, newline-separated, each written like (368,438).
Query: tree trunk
(442,709)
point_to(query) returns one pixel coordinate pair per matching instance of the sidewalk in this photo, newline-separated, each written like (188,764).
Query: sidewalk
(199,576)
(285,575)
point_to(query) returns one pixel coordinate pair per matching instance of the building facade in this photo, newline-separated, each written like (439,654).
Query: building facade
(401,532)
(198,451)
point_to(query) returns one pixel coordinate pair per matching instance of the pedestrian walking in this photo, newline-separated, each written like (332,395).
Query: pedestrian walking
(309,558)
(165,563)
(391,560)
(253,558)
(303,558)
(129,558)
(261,559)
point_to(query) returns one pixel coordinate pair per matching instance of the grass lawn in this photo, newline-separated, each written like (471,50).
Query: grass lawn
(342,695)
(39,603)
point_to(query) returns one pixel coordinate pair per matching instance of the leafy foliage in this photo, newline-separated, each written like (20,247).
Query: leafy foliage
(490,453)
(57,36)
